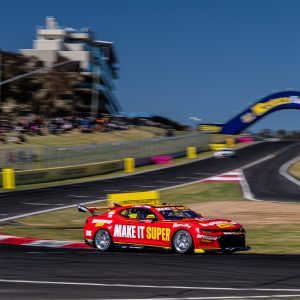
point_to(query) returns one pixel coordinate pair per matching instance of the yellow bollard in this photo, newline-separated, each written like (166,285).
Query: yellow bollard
(230,143)
(8,179)
(191,152)
(129,164)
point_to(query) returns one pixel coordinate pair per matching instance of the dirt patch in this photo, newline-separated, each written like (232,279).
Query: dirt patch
(251,212)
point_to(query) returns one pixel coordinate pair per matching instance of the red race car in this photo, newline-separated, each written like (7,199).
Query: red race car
(172,227)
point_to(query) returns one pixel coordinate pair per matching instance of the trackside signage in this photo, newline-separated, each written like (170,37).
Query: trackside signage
(258,110)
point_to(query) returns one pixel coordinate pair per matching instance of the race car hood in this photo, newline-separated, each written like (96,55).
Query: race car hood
(218,224)
(208,224)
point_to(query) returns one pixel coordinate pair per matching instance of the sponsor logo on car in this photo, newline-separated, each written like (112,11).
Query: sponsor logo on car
(100,222)
(225,225)
(158,233)
(165,208)
(88,232)
(141,232)
(220,224)
(206,237)
(111,213)
(181,225)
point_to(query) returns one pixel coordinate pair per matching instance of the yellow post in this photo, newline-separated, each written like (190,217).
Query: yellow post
(129,164)
(8,179)
(230,143)
(191,152)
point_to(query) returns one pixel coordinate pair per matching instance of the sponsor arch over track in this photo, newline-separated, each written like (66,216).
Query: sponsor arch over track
(258,110)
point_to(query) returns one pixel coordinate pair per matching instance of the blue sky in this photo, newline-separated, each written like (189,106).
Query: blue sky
(183,58)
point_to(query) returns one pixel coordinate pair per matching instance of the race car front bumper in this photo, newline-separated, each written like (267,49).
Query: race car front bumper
(89,242)
(222,250)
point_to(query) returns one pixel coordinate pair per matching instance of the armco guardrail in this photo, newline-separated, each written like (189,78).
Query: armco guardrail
(40,158)
(60,173)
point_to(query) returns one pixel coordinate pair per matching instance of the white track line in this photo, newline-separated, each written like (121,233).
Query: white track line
(284,168)
(171,182)
(256,162)
(145,186)
(211,298)
(79,196)
(138,286)
(49,210)
(42,204)
(246,188)
(185,177)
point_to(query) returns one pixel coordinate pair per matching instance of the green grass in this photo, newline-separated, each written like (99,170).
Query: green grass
(294,170)
(274,238)
(203,192)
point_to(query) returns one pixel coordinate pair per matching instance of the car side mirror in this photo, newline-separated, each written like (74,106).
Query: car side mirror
(82,208)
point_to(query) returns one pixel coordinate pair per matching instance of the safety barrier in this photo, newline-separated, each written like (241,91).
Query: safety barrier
(25,158)
(129,164)
(162,159)
(8,178)
(229,143)
(61,173)
(173,147)
(191,152)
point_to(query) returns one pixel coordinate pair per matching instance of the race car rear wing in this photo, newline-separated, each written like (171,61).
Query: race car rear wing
(85,209)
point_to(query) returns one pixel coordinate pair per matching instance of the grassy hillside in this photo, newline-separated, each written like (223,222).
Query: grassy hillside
(77,138)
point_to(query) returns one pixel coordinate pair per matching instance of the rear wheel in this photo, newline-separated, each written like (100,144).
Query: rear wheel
(102,240)
(183,242)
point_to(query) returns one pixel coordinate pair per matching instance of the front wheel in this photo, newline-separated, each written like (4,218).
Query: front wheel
(102,240)
(183,242)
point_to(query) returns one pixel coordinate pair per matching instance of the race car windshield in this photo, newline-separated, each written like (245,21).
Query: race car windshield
(178,214)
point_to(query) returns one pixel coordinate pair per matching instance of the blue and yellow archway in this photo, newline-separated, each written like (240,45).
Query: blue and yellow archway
(258,110)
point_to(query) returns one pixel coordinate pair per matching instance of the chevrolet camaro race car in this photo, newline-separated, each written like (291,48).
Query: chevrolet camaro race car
(173,227)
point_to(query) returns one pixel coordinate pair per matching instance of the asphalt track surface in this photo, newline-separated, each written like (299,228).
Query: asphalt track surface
(84,274)
(267,183)
(29,201)
(40,273)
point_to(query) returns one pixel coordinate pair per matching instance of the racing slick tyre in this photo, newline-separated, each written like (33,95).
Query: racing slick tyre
(102,240)
(182,242)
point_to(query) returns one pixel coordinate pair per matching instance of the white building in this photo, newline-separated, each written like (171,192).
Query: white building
(97,60)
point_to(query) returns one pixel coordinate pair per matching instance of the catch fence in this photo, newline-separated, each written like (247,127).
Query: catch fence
(46,157)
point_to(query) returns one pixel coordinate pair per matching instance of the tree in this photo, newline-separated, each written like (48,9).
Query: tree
(50,92)
(19,91)
(265,133)
(281,132)
(57,95)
